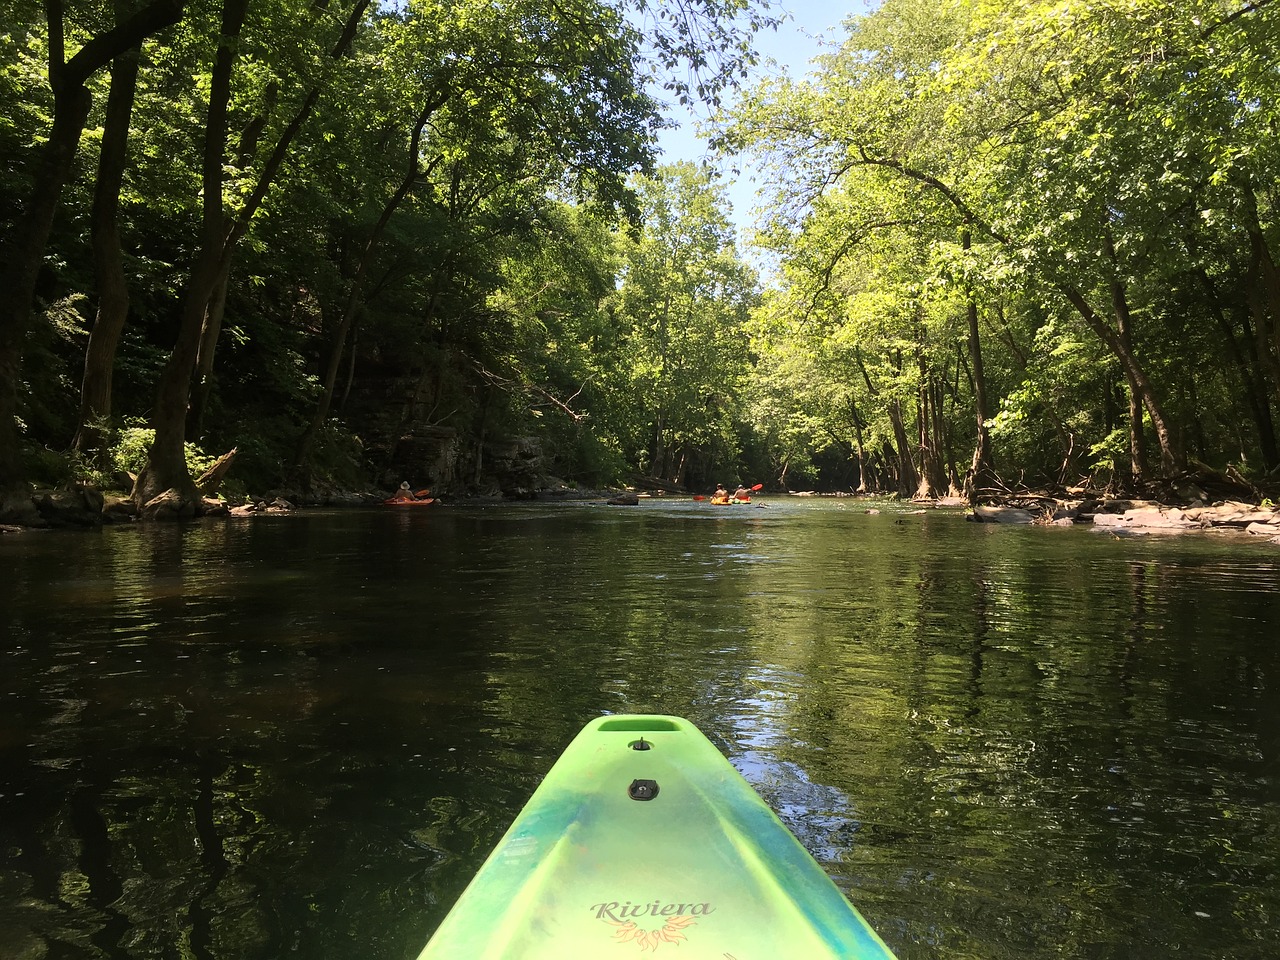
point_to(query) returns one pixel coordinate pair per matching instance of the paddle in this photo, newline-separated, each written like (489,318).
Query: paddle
(758,487)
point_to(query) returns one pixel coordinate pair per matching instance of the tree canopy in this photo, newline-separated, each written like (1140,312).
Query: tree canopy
(1092,180)
(1015,243)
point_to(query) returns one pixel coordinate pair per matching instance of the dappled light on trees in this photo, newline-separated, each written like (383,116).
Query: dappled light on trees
(1014,244)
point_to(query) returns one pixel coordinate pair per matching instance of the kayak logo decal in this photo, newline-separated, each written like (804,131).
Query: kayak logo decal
(675,918)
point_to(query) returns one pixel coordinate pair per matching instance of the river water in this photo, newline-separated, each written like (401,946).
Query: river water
(299,736)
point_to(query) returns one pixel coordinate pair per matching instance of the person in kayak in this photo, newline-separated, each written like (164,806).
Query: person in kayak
(742,493)
(721,492)
(404,492)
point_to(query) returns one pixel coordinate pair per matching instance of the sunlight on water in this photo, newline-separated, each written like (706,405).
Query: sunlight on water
(300,736)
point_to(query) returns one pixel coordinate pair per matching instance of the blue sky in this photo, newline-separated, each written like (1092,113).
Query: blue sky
(792,46)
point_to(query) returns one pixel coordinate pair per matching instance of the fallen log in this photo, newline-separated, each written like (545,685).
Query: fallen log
(209,481)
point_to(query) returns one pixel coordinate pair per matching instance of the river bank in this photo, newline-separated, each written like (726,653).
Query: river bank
(1186,505)
(1139,516)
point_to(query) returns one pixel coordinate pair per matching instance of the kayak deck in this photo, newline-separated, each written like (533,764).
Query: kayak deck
(644,837)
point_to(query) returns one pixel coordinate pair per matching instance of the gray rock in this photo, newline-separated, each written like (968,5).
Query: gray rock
(983,514)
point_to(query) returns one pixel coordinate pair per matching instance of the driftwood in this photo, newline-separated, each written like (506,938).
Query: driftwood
(644,482)
(985,514)
(211,479)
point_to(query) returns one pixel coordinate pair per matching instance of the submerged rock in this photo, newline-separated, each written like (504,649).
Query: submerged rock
(982,514)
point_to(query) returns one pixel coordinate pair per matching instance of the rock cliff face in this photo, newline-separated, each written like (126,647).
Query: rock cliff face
(426,456)
(400,414)
(437,458)
(515,465)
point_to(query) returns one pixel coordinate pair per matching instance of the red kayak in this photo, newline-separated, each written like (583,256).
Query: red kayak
(409,503)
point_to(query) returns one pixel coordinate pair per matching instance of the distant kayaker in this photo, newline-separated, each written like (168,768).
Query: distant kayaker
(720,492)
(404,493)
(742,493)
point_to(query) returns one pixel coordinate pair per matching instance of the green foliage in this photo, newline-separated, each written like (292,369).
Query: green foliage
(132,443)
(397,193)
(1080,196)
(682,308)
(1107,163)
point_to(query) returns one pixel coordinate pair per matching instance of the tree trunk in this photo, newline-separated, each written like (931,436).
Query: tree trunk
(1264,294)
(209,481)
(1124,330)
(482,431)
(981,467)
(166,464)
(859,445)
(1247,364)
(24,253)
(166,467)
(908,477)
(202,386)
(17,292)
(1172,457)
(932,479)
(351,308)
(658,451)
(93,431)
(888,457)
(210,330)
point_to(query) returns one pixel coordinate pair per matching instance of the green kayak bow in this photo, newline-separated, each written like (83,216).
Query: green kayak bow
(644,841)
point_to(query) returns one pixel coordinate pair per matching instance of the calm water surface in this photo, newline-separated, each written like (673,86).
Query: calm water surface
(299,736)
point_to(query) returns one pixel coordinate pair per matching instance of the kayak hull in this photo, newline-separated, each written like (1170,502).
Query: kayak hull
(700,867)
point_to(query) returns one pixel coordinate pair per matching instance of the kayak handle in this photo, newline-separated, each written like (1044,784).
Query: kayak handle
(643,789)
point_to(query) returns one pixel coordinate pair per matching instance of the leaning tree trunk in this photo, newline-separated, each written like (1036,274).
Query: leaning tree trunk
(92,433)
(166,463)
(1172,457)
(166,467)
(210,330)
(307,441)
(908,477)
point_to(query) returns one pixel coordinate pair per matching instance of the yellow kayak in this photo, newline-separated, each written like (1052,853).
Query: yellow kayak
(643,841)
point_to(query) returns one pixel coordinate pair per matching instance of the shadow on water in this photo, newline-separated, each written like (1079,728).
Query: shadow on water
(300,736)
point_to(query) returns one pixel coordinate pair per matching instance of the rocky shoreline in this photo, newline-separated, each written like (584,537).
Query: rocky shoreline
(85,507)
(1139,516)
